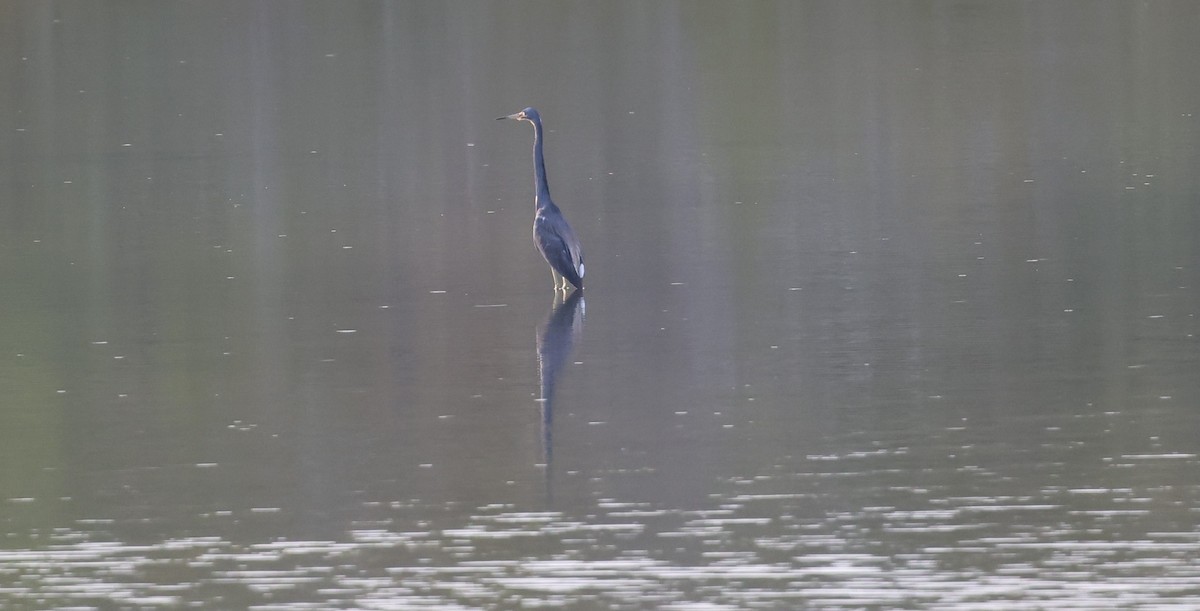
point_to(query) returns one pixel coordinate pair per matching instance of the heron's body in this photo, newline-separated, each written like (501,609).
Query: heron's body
(553,235)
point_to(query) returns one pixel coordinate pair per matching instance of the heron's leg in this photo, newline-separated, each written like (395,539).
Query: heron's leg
(558,278)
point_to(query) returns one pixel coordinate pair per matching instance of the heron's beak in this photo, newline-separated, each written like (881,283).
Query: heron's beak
(512,116)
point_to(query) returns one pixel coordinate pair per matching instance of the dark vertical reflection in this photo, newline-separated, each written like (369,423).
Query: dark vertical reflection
(555,339)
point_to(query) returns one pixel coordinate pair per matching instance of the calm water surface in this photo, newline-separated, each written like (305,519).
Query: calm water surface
(890,305)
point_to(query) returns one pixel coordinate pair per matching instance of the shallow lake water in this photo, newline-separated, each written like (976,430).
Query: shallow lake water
(889,305)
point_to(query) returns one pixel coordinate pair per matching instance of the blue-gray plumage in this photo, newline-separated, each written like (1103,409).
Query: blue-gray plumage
(551,232)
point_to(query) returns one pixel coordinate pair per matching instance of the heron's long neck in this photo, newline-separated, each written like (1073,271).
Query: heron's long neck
(541,187)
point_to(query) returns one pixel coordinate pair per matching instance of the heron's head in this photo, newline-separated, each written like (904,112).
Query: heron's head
(529,114)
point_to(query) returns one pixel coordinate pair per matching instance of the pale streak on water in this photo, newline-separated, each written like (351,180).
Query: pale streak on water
(793,536)
(892,305)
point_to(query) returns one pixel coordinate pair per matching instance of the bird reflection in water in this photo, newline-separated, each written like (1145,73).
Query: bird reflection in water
(555,340)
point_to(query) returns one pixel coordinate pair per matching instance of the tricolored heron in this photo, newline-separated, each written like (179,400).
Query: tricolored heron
(551,232)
